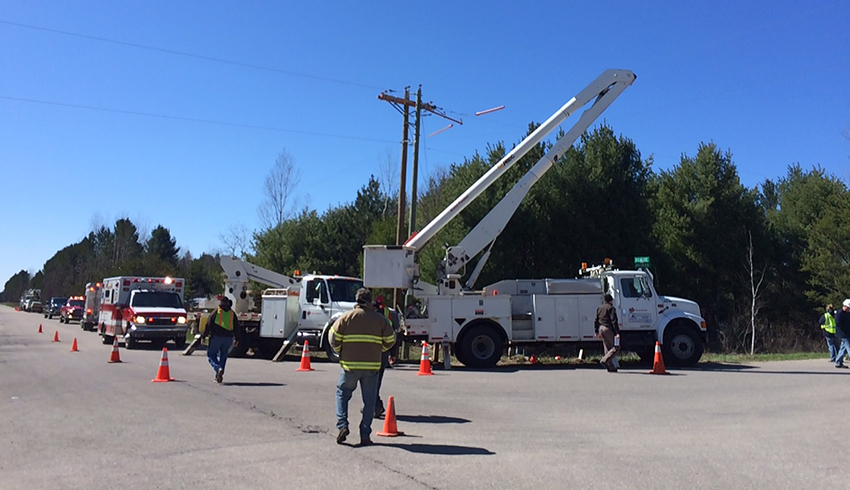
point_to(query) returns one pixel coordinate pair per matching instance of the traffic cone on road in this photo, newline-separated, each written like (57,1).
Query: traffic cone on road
(162,374)
(74,346)
(425,361)
(305,358)
(56,336)
(39,328)
(658,363)
(390,425)
(115,357)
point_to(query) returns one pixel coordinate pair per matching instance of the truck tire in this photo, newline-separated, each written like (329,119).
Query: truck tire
(333,356)
(481,347)
(682,346)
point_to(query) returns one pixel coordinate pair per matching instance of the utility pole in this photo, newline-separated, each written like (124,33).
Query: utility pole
(406,103)
(411,224)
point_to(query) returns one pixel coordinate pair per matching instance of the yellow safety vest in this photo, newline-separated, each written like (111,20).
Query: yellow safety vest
(828,323)
(225,319)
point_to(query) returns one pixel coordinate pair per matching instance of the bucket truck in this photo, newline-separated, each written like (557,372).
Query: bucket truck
(295,307)
(478,325)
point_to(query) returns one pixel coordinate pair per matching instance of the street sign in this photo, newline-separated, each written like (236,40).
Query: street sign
(642,262)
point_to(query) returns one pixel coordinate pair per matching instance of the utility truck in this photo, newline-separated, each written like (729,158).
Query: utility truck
(134,309)
(296,308)
(479,324)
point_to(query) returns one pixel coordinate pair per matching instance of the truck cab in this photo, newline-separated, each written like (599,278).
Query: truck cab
(646,317)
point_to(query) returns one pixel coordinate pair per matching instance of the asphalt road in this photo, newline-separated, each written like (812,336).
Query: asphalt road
(72,420)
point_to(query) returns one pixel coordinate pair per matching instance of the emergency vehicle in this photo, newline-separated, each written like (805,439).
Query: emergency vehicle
(72,309)
(91,309)
(142,308)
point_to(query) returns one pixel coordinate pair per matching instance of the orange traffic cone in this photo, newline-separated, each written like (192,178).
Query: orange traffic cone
(305,358)
(56,336)
(390,425)
(162,374)
(115,357)
(658,363)
(74,346)
(39,328)
(425,361)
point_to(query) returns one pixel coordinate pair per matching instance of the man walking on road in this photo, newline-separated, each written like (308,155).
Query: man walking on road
(606,325)
(220,327)
(842,328)
(360,336)
(827,324)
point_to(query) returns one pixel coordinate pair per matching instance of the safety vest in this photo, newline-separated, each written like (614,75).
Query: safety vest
(225,319)
(828,323)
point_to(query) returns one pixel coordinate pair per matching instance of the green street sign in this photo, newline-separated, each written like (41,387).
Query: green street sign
(642,262)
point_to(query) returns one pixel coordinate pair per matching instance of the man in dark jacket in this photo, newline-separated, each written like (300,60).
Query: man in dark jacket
(360,336)
(220,327)
(842,329)
(606,326)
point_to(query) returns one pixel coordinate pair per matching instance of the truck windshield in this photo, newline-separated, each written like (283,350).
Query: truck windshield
(157,298)
(344,289)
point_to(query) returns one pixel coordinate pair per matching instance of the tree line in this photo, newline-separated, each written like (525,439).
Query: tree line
(761,262)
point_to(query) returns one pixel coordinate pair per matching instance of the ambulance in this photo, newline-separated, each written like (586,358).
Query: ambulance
(135,309)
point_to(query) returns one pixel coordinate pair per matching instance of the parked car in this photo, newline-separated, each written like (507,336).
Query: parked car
(53,306)
(72,309)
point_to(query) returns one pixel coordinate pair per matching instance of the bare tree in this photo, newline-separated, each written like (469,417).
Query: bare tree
(237,241)
(755,287)
(279,191)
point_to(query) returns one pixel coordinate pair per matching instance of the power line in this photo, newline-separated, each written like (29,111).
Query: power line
(189,55)
(192,119)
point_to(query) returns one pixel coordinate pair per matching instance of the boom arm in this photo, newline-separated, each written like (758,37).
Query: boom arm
(492,225)
(614,81)
(396,266)
(237,274)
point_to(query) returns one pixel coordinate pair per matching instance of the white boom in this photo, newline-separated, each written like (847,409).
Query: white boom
(396,267)
(237,275)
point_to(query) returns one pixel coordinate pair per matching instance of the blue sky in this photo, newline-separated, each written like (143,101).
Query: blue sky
(103,115)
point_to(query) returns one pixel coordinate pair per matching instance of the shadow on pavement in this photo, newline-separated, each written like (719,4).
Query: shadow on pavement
(431,419)
(240,383)
(440,449)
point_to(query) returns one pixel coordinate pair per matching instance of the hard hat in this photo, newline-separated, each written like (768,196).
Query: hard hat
(847,303)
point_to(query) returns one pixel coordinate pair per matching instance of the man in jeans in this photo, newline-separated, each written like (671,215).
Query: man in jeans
(842,328)
(360,336)
(220,327)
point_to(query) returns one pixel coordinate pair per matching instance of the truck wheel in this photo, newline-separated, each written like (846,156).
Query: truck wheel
(481,347)
(333,356)
(130,342)
(180,343)
(682,346)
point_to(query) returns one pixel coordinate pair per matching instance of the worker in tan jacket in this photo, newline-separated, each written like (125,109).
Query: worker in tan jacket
(360,336)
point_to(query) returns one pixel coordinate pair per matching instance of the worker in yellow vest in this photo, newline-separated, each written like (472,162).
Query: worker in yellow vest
(220,329)
(827,324)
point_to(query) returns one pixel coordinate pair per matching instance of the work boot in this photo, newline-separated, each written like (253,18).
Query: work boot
(219,376)
(365,442)
(343,433)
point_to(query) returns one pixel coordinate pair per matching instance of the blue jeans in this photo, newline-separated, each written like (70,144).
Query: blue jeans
(845,349)
(217,351)
(368,390)
(833,348)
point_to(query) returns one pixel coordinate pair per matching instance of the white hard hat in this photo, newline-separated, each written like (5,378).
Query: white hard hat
(847,303)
